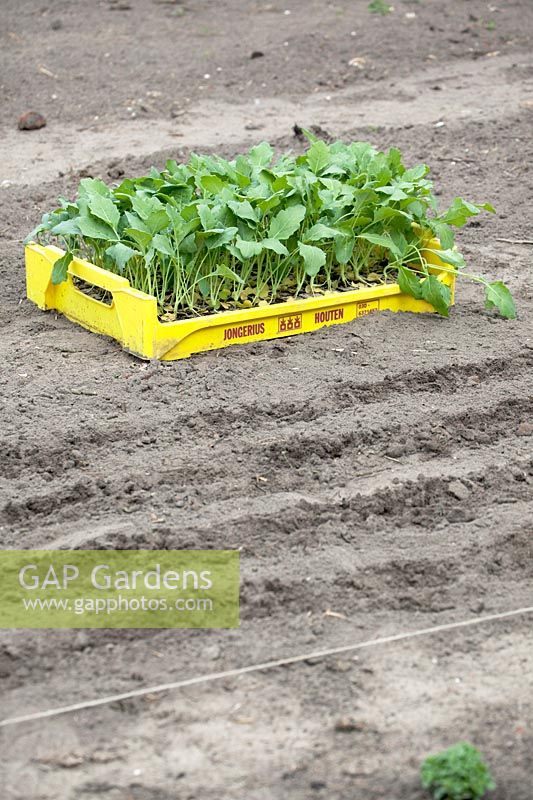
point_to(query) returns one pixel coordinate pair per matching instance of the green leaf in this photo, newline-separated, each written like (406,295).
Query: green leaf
(225,236)
(226,272)
(383,240)
(497,295)
(163,245)
(320,231)
(121,254)
(207,216)
(388,212)
(106,210)
(286,222)
(409,282)
(204,286)
(243,210)
(261,155)
(45,224)
(135,222)
(415,173)
(318,156)
(444,234)
(243,168)
(157,221)
(275,245)
(314,258)
(436,294)
(248,249)
(142,238)
(60,268)
(212,183)
(461,210)
(69,227)
(96,229)
(144,205)
(344,246)
(124,189)
(394,192)
(188,244)
(269,204)
(451,257)
(94,186)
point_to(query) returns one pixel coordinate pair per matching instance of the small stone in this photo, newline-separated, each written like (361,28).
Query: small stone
(31,121)
(458,490)
(81,641)
(395,451)
(348,725)
(525,429)
(68,761)
(257,54)
(212,652)
(339,666)
(518,474)
(357,771)
(102,757)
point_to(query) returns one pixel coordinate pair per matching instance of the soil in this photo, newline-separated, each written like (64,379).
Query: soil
(377,476)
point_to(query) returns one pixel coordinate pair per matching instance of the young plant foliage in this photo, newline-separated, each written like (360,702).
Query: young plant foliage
(458,773)
(214,234)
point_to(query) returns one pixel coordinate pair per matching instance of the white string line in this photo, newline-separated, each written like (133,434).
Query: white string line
(281,662)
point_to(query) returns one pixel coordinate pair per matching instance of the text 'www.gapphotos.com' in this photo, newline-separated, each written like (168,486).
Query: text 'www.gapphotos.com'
(112,605)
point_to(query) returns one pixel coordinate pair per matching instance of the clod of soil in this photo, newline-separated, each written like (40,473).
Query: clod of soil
(31,121)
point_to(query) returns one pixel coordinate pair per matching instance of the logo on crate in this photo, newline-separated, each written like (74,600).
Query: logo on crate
(290,322)
(363,309)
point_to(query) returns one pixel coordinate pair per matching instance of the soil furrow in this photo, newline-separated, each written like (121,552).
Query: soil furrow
(76,448)
(274,466)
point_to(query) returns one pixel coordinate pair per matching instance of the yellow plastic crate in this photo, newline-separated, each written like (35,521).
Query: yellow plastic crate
(131,317)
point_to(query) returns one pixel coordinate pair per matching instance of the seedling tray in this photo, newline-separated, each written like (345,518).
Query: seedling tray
(131,316)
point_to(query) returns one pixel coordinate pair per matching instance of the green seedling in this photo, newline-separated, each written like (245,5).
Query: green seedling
(379,7)
(214,234)
(457,773)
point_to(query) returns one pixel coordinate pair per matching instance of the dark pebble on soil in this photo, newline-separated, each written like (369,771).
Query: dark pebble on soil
(348,725)
(31,121)
(257,54)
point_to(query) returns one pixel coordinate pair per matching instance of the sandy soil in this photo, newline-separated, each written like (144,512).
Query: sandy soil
(382,470)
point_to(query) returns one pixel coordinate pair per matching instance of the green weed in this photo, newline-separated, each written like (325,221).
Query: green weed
(457,773)
(379,7)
